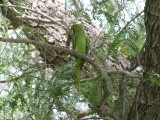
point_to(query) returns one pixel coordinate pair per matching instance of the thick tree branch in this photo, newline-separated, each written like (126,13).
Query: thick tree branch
(49,19)
(58,48)
(37,20)
(105,110)
(71,52)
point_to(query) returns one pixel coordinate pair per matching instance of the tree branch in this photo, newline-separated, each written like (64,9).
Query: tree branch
(130,22)
(25,71)
(63,49)
(105,110)
(75,3)
(82,81)
(95,118)
(38,20)
(99,77)
(40,13)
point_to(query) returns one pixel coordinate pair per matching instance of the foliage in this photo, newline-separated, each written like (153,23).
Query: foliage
(35,90)
(129,39)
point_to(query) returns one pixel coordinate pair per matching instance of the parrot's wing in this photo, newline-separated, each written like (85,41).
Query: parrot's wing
(73,42)
(87,44)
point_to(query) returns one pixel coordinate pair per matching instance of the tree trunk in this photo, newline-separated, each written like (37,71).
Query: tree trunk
(146,105)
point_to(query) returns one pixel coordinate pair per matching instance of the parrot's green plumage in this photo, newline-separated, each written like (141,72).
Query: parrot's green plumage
(80,43)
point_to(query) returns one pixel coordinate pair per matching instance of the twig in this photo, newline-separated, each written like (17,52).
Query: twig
(25,72)
(3,50)
(82,81)
(130,22)
(2,88)
(99,34)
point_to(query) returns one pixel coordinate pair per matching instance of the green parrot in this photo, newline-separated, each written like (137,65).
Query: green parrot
(80,43)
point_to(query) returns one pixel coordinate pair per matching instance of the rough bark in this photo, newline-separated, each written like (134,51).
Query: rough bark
(146,105)
(46,21)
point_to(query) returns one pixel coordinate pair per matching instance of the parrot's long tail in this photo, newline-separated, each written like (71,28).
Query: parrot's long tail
(78,77)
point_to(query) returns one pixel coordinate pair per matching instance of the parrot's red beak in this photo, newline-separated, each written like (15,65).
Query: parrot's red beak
(72,28)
